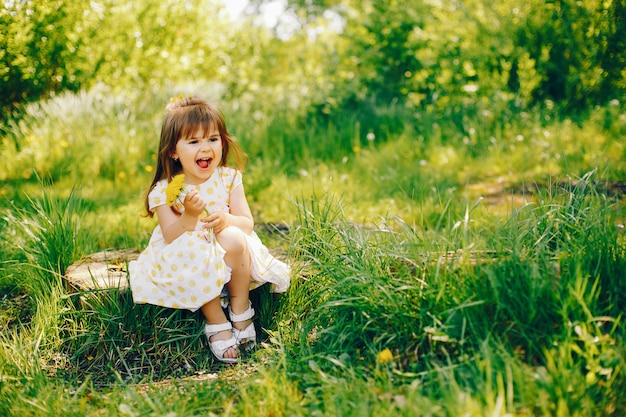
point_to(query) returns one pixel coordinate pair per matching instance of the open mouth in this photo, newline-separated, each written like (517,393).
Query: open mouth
(204,162)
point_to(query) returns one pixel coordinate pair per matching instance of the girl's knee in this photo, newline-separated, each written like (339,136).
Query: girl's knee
(232,239)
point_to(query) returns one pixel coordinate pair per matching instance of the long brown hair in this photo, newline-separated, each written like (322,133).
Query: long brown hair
(184,117)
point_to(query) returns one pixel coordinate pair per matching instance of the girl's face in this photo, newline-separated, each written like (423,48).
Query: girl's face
(199,154)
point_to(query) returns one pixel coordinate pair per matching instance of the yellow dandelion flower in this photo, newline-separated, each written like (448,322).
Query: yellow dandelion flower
(174,189)
(384,356)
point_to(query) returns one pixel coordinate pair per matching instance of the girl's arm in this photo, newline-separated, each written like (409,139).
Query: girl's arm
(174,224)
(239,216)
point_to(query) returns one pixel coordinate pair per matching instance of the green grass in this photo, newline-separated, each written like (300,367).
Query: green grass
(491,303)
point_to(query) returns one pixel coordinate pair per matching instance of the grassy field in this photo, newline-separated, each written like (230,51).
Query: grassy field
(461,264)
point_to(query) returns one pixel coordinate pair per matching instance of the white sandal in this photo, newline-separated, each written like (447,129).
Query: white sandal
(219,347)
(246,338)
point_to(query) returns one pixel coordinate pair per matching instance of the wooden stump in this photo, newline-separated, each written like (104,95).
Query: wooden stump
(101,270)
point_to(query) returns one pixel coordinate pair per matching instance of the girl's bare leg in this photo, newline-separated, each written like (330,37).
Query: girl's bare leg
(214,314)
(238,259)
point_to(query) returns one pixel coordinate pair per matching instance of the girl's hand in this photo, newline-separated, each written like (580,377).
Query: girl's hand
(194,205)
(218,221)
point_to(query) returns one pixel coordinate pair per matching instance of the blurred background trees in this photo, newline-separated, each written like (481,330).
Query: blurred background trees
(50,46)
(571,52)
(334,54)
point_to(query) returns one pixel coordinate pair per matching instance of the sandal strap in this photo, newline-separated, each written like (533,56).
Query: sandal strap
(220,346)
(211,329)
(246,315)
(246,336)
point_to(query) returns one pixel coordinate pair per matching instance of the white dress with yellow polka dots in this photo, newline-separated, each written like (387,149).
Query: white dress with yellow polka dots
(190,271)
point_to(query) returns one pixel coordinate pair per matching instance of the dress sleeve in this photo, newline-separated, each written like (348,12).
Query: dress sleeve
(237,180)
(231,178)
(156,197)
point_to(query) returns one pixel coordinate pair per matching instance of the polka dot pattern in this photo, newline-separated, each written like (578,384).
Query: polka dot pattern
(190,271)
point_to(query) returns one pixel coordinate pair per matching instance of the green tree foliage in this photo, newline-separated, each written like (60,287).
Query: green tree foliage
(423,52)
(578,48)
(37,43)
(48,46)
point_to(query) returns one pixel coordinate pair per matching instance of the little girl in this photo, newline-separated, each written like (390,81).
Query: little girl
(204,240)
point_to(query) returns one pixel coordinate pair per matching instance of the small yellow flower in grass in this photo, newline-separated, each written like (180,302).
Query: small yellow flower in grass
(174,188)
(384,356)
